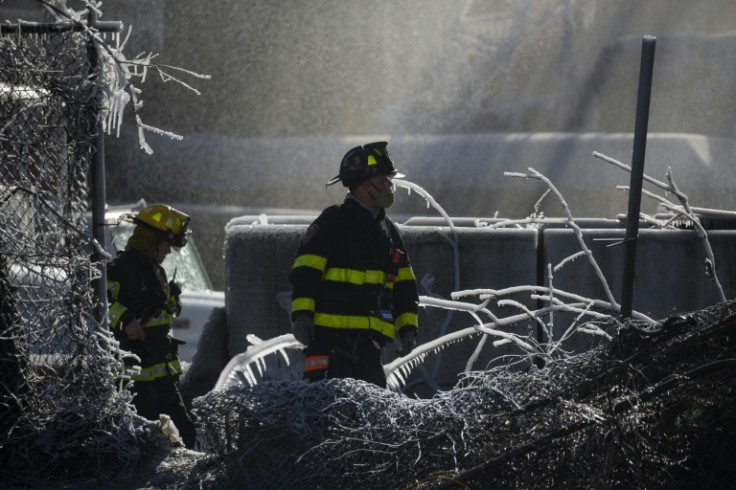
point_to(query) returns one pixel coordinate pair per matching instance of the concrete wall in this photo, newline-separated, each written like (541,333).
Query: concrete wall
(293,68)
(464,91)
(670,267)
(670,277)
(258,260)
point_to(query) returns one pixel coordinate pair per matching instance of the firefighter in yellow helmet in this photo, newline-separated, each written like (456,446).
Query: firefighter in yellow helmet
(353,284)
(143,304)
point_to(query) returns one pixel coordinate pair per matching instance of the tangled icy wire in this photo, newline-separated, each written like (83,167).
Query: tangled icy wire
(652,409)
(61,412)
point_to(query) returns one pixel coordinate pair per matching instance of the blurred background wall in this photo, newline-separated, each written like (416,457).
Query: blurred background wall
(463,91)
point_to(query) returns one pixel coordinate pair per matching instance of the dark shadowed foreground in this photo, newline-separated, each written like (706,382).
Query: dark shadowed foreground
(652,409)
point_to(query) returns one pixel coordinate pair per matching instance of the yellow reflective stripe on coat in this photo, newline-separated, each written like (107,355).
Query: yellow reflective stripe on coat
(406,274)
(359,278)
(301,304)
(161,320)
(309,260)
(114,288)
(355,322)
(157,371)
(407,319)
(353,276)
(114,313)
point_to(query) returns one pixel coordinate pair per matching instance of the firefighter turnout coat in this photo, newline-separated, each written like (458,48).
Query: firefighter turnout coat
(137,288)
(352,274)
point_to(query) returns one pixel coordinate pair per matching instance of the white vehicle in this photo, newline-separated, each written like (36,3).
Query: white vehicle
(185,267)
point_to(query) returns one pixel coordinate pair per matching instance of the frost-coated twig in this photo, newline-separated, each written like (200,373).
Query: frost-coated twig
(569,258)
(686,211)
(411,186)
(398,368)
(550,330)
(521,223)
(119,73)
(555,305)
(710,261)
(533,174)
(623,166)
(239,369)
(469,308)
(599,304)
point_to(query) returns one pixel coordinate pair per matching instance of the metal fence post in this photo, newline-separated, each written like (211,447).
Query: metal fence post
(637,173)
(98,189)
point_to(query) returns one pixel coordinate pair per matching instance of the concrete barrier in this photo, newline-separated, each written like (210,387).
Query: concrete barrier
(670,278)
(670,267)
(259,257)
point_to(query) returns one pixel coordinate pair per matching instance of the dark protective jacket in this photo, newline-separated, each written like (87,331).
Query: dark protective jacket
(344,275)
(137,288)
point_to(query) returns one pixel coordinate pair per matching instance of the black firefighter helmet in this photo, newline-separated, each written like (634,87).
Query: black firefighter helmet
(363,162)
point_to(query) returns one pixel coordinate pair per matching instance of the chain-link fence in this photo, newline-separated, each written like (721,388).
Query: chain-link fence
(59,403)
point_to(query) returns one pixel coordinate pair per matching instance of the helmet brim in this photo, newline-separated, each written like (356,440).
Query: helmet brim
(129,217)
(178,240)
(333,180)
(337,178)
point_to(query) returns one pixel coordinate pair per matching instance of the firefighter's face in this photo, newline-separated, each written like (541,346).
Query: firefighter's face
(379,182)
(377,191)
(164,248)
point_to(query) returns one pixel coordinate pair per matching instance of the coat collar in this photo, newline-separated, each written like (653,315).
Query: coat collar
(353,202)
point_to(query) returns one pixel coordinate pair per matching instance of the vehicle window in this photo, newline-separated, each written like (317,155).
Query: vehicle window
(183,265)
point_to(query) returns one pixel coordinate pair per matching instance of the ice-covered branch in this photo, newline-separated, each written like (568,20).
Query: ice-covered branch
(401,367)
(469,308)
(239,369)
(533,174)
(453,241)
(685,211)
(498,293)
(118,73)
(623,166)
(411,186)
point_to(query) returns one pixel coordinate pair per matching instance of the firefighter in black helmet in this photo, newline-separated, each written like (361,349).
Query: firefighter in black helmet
(353,285)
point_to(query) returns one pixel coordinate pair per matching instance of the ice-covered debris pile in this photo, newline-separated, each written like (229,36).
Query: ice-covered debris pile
(654,408)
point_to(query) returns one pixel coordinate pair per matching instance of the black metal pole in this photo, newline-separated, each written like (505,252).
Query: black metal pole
(99,197)
(637,172)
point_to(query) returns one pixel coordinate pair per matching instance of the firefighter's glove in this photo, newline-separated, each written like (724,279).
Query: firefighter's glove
(134,330)
(304,329)
(408,341)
